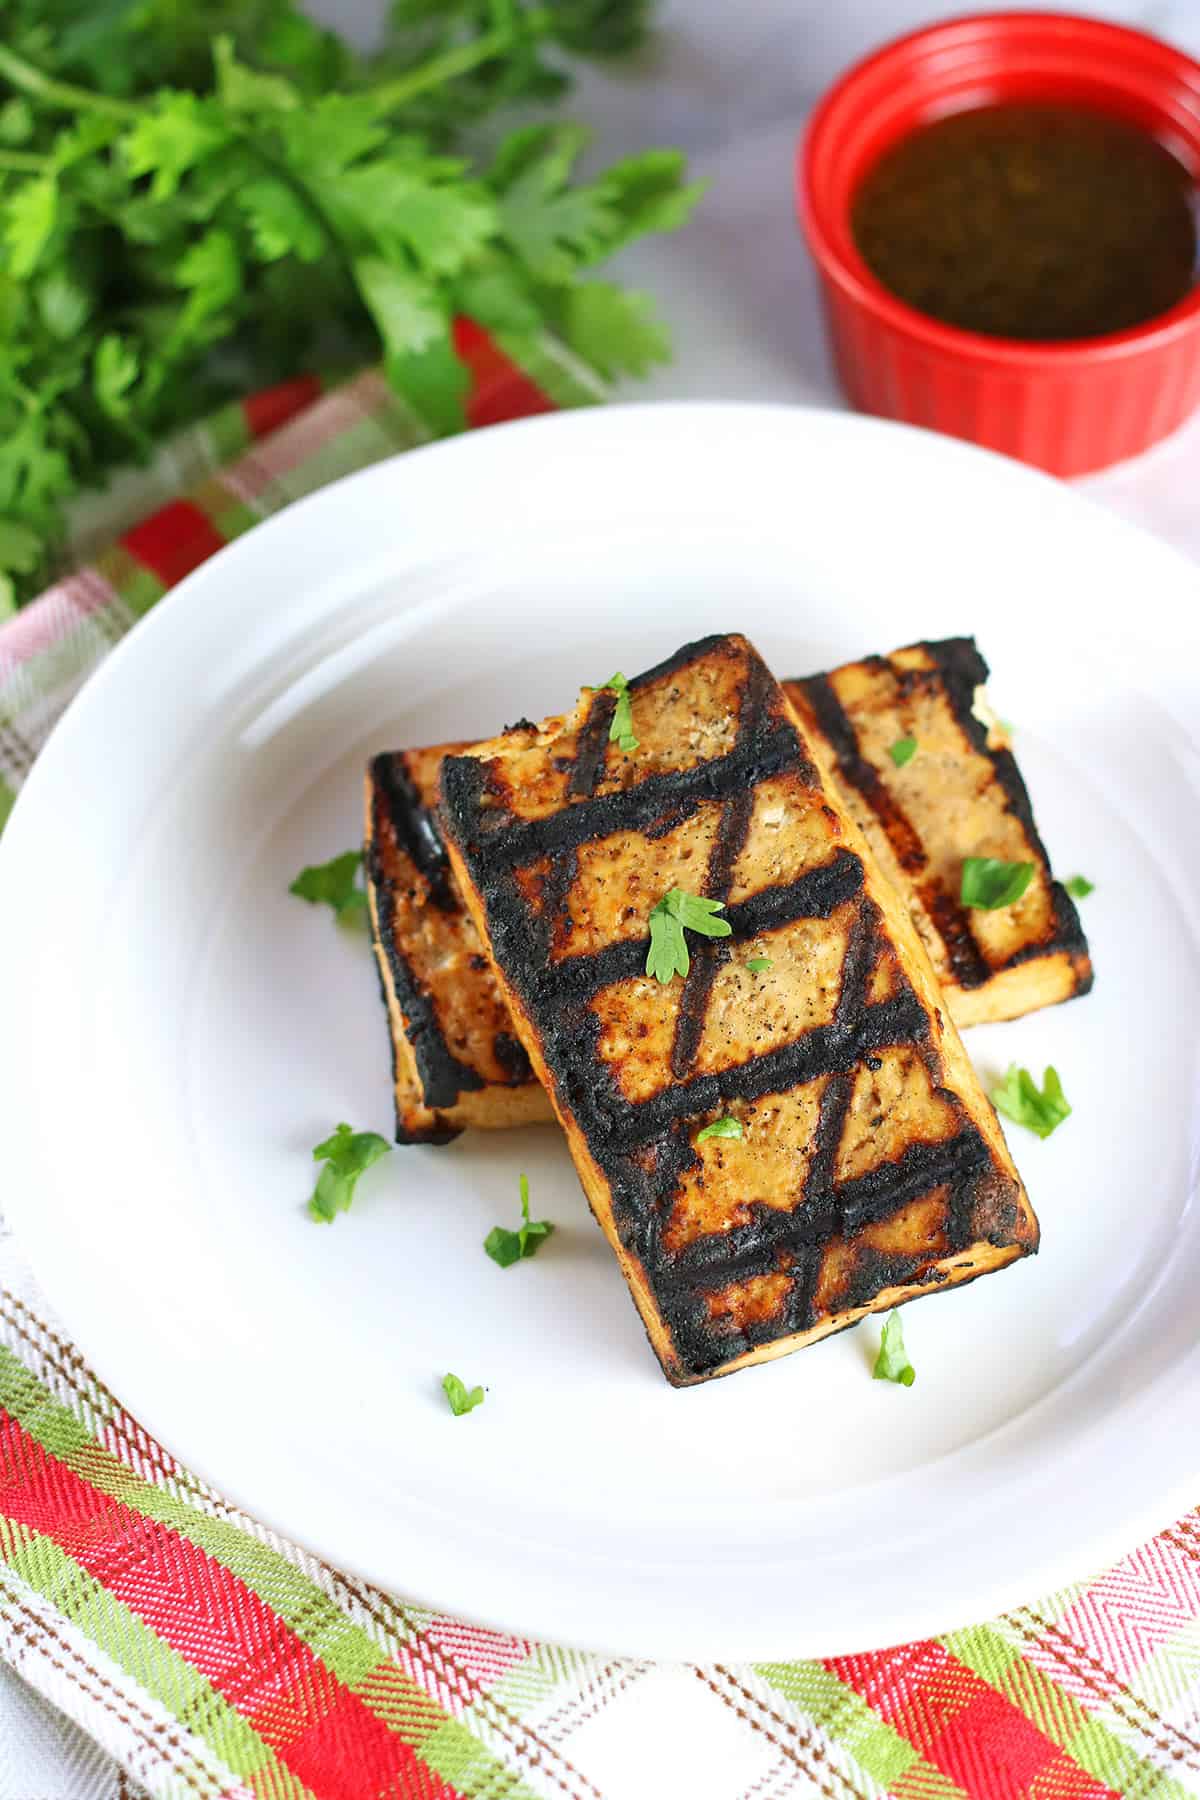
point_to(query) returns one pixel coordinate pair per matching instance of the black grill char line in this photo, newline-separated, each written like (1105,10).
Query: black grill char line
(643,1149)
(963,670)
(444,1078)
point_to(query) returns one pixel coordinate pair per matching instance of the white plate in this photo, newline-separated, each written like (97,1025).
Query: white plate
(178,1032)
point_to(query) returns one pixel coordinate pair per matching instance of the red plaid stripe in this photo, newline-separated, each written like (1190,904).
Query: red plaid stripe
(317,1727)
(963,1727)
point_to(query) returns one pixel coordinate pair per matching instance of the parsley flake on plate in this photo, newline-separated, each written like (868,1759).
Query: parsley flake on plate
(676,913)
(721,1128)
(1079,887)
(892,1363)
(1019,1098)
(507,1247)
(459,1397)
(334,884)
(758,965)
(347,1155)
(989,883)
(902,751)
(620,732)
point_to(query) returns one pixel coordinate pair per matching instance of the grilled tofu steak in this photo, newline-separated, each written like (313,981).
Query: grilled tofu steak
(455,1058)
(869,1167)
(961,794)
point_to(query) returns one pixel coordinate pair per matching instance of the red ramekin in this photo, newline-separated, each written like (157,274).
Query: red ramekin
(1068,407)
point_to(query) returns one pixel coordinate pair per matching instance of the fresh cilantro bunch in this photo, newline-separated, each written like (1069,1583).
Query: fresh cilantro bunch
(197,199)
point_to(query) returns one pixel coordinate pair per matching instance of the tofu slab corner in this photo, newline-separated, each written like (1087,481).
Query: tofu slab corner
(455,1059)
(962,794)
(870,1168)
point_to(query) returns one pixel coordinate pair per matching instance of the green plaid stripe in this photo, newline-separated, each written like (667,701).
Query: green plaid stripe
(141,1654)
(344,1647)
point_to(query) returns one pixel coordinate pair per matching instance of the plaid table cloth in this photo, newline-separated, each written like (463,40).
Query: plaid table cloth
(212,1660)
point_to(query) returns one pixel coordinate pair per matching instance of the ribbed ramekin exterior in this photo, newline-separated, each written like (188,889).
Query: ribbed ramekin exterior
(1070,421)
(1069,409)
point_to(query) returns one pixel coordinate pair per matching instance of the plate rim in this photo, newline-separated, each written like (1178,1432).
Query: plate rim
(215,571)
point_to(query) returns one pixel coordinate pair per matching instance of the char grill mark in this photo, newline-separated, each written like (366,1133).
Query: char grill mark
(727,847)
(396,806)
(970,968)
(564,989)
(415,830)
(629,809)
(703,1286)
(961,671)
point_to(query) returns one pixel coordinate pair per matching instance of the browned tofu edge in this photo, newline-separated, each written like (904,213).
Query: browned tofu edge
(1046,968)
(438,1094)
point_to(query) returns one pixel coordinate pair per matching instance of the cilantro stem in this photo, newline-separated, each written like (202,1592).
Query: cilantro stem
(460,61)
(44,87)
(24,162)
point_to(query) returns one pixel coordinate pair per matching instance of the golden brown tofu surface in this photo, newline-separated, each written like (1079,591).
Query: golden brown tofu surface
(456,1060)
(869,1168)
(961,794)
(964,796)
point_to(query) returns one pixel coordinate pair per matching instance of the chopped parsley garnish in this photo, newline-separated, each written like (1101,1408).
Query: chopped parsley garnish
(988,883)
(720,1128)
(758,965)
(1079,887)
(347,1155)
(460,1399)
(507,1247)
(676,913)
(335,884)
(620,732)
(1039,1110)
(892,1363)
(902,751)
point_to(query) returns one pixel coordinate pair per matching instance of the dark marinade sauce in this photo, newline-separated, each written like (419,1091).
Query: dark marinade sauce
(1030,220)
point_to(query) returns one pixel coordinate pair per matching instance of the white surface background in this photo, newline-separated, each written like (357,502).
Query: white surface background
(731,83)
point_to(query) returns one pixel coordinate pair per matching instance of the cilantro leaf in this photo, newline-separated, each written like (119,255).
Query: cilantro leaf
(334,884)
(989,883)
(20,548)
(647,192)
(64,303)
(403,305)
(174,134)
(280,222)
(1079,887)
(114,371)
(433,381)
(458,1398)
(320,142)
(200,199)
(721,1128)
(246,90)
(550,225)
(212,270)
(620,732)
(616,331)
(1019,1098)
(16,121)
(758,965)
(676,913)
(902,751)
(347,1155)
(31,213)
(421,209)
(507,1247)
(892,1363)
